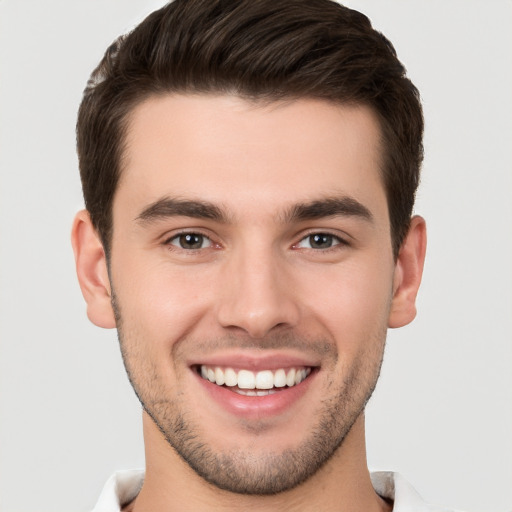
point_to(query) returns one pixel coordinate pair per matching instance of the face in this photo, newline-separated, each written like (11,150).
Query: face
(252,275)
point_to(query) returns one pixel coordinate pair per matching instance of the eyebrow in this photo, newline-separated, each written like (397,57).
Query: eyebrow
(174,207)
(326,207)
(344,206)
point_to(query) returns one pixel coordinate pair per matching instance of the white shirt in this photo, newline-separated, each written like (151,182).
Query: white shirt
(124,486)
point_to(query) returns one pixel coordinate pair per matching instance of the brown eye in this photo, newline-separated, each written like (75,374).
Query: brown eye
(319,241)
(190,241)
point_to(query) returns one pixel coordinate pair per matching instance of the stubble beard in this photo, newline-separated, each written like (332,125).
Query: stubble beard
(245,472)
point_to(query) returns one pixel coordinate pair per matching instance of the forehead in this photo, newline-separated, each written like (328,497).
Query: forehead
(234,152)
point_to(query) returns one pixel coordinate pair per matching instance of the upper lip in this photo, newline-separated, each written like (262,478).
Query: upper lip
(255,361)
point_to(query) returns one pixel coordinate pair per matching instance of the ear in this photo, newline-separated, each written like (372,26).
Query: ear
(91,268)
(408,272)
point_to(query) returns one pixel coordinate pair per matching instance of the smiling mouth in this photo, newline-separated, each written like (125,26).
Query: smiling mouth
(249,383)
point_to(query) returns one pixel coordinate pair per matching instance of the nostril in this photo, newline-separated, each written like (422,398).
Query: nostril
(256,304)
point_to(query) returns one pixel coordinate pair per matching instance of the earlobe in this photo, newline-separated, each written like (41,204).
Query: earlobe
(91,269)
(408,272)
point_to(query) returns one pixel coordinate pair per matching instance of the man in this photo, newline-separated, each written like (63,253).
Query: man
(249,171)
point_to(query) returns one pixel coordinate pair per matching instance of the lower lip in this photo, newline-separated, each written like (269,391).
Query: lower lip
(252,407)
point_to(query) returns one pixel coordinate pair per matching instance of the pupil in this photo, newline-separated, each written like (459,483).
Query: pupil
(191,241)
(320,241)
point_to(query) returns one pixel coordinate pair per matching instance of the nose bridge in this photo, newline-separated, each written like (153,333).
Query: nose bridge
(256,291)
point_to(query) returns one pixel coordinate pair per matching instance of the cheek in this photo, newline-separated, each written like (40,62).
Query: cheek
(352,301)
(159,304)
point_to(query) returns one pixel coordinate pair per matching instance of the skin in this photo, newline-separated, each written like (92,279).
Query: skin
(256,287)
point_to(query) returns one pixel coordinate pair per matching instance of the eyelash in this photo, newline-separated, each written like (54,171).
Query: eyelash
(177,236)
(337,241)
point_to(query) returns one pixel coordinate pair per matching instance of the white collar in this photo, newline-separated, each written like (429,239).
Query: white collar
(121,488)
(124,486)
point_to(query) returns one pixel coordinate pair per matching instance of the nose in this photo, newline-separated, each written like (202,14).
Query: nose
(257,294)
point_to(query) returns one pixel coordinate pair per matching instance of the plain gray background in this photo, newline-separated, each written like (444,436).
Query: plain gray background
(442,414)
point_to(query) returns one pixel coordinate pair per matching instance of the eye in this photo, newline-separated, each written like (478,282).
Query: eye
(190,241)
(319,241)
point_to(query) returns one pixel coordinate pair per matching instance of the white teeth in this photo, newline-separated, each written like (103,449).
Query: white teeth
(280,378)
(265,380)
(219,377)
(246,380)
(247,392)
(230,377)
(253,392)
(290,378)
(265,392)
(300,376)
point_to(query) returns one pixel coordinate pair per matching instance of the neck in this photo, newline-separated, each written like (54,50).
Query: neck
(343,483)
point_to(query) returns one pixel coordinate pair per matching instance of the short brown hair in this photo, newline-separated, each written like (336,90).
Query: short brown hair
(258,49)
